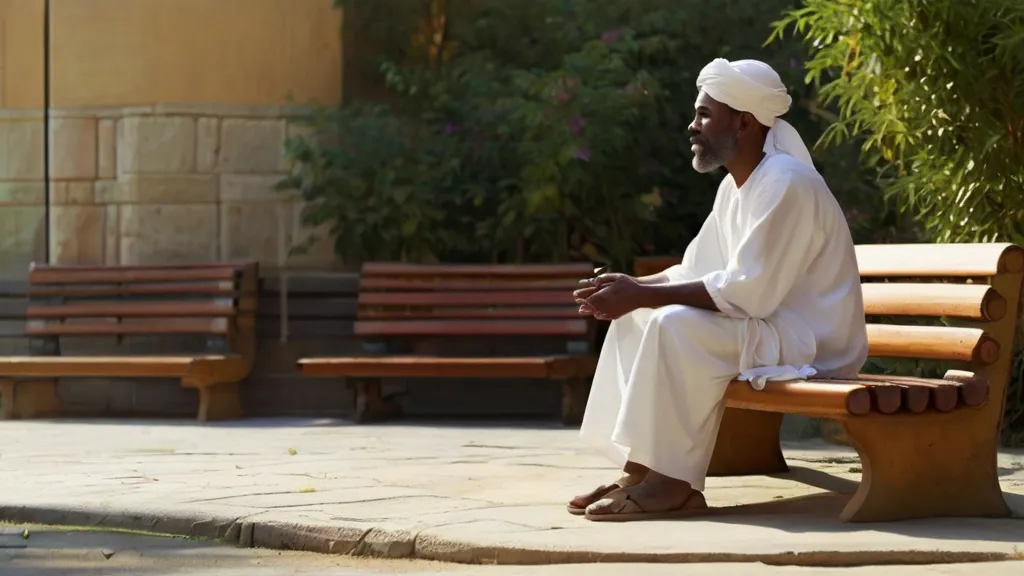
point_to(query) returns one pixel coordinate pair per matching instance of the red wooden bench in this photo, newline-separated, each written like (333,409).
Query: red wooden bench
(214,302)
(928,446)
(402,301)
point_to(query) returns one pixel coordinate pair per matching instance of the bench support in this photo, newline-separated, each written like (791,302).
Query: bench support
(925,466)
(370,404)
(219,402)
(28,399)
(574,400)
(748,444)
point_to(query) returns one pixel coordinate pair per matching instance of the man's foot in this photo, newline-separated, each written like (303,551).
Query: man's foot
(648,501)
(578,505)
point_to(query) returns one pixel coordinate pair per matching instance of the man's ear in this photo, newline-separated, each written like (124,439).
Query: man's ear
(747,121)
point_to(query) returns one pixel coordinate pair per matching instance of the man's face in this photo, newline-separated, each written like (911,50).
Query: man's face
(714,134)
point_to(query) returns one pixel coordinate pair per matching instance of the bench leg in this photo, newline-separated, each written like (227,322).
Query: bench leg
(748,444)
(574,400)
(219,402)
(925,466)
(28,399)
(370,405)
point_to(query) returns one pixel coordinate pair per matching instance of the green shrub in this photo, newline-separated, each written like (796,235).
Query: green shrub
(537,131)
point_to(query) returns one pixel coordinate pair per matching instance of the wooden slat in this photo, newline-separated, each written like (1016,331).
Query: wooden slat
(472,328)
(938,260)
(942,394)
(238,264)
(799,397)
(396,269)
(504,284)
(932,343)
(99,366)
(132,327)
(134,309)
(973,301)
(464,298)
(210,288)
(59,275)
(973,389)
(435,367)
(467,313)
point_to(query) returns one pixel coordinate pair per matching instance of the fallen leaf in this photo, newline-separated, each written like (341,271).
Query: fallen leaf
(293,451)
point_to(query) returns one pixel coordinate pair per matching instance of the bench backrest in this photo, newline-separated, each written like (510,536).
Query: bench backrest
(974,289)
(397,300)
(216,300)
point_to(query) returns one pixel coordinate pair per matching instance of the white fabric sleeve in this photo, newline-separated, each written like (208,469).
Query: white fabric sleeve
(704,245)
(774,254)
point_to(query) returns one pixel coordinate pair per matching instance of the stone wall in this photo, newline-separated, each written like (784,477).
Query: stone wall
(171,184)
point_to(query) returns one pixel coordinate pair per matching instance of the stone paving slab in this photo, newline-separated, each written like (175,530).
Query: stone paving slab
(462,493)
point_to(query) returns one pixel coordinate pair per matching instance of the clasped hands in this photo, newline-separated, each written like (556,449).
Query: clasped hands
(609,296)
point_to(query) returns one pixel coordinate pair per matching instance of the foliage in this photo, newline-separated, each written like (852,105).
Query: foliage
(934,90)
(535,131)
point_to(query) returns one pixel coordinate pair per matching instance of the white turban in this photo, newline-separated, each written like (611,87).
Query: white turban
(754,87)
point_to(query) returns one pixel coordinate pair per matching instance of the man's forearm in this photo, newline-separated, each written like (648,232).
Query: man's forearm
(692,293)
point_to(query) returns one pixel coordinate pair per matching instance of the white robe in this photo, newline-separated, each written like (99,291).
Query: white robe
(777,258)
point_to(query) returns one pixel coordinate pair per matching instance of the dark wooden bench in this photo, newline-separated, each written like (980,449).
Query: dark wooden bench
(928,446)
(212,305)
(399,302)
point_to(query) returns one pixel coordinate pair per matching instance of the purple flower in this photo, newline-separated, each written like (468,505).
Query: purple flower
(583,154)
(576,125)
(451,128)
(611,36)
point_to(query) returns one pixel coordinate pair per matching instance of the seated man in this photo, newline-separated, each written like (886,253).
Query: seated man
(768,289)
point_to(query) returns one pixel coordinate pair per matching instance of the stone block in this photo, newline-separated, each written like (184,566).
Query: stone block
(156,145)
(22,193)
(159,189)
(168,233)
(252,146)
(250,188)
(23,240)
(112,234)
(71,193)
(207,144)
(73,148)
(106,149)
(253,229)
(77,234)
(22,149)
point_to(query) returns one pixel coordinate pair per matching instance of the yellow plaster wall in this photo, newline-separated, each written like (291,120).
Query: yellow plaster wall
(21,54)
(142,52)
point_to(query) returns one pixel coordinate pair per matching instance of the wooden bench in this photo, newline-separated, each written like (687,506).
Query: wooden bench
(214,304)
(928,446)
(399,302)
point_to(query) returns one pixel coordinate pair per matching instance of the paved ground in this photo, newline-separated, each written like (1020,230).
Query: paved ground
(52,551)
(451,493)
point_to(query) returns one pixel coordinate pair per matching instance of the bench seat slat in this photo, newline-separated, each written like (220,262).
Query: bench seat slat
(445,285)
(973,301)
(100,366)
(577,327)
(567,366)
(805,398)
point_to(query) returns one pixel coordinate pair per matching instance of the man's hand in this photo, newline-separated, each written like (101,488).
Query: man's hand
(609,296)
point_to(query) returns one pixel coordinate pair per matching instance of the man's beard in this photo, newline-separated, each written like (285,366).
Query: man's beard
(714,153)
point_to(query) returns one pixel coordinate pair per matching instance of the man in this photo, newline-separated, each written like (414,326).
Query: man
(768,289)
